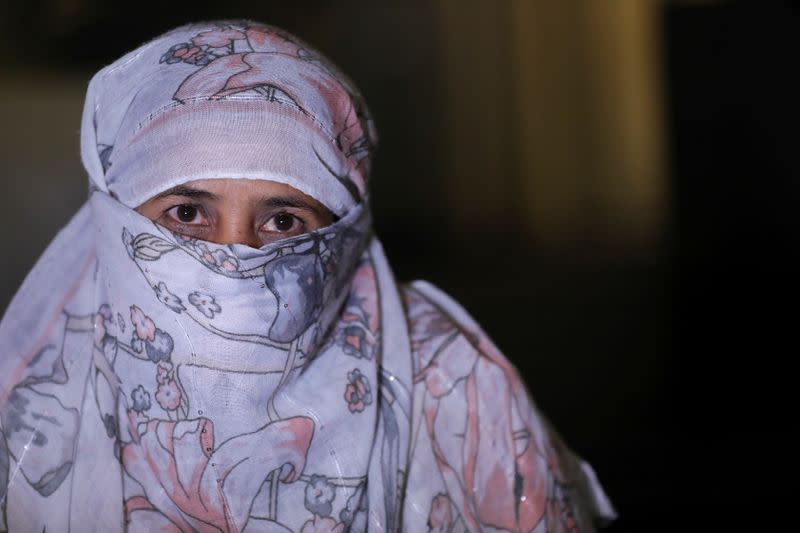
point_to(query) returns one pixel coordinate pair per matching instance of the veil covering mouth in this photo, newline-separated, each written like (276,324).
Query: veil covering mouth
(156,382)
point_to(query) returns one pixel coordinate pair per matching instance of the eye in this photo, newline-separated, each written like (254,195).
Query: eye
(187,214)
(284,223)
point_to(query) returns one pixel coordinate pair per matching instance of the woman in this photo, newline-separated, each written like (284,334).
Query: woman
(215,342)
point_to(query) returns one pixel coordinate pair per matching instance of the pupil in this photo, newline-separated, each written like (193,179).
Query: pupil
(283,222)
(186,213)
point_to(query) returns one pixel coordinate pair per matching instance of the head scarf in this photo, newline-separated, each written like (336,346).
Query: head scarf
(154,382)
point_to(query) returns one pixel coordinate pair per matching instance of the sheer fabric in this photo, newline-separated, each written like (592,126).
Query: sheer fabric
(154,382)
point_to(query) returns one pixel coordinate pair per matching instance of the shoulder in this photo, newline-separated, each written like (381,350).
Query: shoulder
(444,334)
(484,429)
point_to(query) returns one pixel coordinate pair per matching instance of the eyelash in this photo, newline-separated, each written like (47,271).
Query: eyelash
(174,217)
(201,212)
(295,220)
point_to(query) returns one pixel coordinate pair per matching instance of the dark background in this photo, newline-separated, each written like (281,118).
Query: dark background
(654,327)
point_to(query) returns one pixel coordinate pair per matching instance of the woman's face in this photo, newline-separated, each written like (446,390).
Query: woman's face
(228,211)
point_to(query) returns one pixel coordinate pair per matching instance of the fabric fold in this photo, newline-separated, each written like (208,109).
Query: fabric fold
(153,381)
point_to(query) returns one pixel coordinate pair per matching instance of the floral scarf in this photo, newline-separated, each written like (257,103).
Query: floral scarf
(154,382)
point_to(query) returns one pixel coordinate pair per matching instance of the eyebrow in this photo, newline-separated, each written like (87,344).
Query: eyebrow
(188,192)
(286,201)
(298,202)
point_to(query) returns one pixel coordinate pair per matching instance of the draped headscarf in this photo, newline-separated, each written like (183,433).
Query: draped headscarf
(155,382)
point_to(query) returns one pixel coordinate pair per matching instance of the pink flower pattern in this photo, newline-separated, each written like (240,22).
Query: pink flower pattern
(163,372)
(168,395)
(358,393)
(218,258)
(149,339)
(187,53)
(143,326)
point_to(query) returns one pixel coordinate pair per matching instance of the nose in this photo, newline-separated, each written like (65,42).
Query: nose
(237,229)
